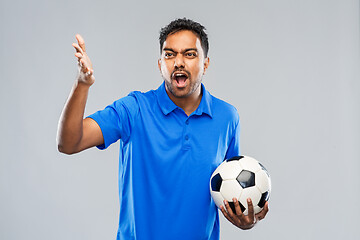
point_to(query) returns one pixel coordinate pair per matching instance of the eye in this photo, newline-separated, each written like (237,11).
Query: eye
(191,54)
(168,54)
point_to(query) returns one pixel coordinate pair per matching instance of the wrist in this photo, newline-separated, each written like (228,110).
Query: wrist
(82,85)
(80,88)
(85,79)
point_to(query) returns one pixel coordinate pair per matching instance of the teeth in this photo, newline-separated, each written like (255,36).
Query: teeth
(179,74)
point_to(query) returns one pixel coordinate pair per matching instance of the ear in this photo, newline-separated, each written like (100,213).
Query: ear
(206,64)
(159,64)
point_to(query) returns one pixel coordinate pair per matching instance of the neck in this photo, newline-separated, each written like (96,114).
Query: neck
(190,103)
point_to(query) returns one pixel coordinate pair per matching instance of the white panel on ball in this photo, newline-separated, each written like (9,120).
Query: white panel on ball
(230,189)
(250,192)
(262,181)
(230,170)
(218,198)
(257,209)
(251,164)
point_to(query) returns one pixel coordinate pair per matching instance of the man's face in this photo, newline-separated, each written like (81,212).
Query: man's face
(182,64)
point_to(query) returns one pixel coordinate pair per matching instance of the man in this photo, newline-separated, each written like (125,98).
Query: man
(171,140)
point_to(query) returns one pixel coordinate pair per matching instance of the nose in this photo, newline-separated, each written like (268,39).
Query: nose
(179,61)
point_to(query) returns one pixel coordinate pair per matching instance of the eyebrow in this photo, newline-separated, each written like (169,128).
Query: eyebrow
(186,50)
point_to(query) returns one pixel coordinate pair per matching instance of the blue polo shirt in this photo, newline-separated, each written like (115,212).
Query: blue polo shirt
(165,163)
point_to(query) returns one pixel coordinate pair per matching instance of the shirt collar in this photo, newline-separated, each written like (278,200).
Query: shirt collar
(167,105)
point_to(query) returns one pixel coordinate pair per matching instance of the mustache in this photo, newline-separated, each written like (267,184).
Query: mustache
(177,69)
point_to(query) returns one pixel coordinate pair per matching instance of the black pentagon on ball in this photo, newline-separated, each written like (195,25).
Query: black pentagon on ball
(234,158)
(263,199)
(216,183)
(246,178)
(232,206)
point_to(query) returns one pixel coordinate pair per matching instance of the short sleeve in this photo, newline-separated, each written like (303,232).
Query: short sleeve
(116,120)
(234,146)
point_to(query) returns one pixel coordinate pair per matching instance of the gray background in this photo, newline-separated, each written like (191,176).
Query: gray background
(291,68)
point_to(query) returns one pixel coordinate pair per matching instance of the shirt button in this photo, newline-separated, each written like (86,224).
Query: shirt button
(187,122)
(186,137)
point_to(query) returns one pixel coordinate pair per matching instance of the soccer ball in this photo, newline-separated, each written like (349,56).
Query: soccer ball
(241,177)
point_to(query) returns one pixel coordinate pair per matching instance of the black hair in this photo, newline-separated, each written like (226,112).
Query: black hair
(185,24)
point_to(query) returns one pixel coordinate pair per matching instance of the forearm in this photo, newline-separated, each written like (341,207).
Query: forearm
(70,128)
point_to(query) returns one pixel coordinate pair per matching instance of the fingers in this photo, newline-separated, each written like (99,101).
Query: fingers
(247,219)
(226,215)
(251,214)
(84,63)
(239,219)
(80,41)
(77,48)
(84,67)
(89,73)
(79,53)
(86,73)
(229,210)
(263,212)
(237,208)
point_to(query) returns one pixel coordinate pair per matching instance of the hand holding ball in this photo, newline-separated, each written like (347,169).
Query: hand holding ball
(241,177)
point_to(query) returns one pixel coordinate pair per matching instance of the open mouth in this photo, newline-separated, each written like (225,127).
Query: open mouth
(180,78)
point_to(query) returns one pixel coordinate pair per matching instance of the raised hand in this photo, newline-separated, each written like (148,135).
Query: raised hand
(85,67)
(239,219)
